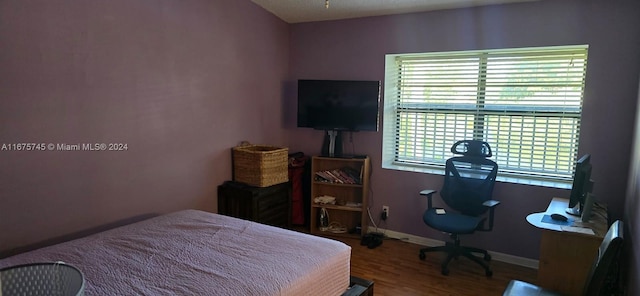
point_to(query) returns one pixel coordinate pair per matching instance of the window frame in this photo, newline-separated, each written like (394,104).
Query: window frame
(392,98)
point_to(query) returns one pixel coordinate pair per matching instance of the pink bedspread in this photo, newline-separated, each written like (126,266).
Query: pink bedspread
(198,253)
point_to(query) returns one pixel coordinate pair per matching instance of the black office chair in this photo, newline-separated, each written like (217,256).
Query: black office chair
(602,276)
(467,190)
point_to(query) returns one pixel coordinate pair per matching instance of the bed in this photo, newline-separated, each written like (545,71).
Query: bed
(193,252)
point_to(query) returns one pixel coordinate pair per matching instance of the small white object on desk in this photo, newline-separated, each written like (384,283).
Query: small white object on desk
(440,211)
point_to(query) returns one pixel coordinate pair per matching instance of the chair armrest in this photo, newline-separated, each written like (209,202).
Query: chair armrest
(429,194)
(491,203)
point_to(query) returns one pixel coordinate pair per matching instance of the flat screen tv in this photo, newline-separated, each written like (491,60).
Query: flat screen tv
(338,105)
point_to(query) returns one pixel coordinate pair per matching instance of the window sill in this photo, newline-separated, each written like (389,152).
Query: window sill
(505,179)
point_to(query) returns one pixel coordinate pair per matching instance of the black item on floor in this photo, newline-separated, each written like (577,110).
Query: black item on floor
(372,240)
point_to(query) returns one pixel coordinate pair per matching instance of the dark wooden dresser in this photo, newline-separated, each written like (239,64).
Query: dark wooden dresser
(268,205)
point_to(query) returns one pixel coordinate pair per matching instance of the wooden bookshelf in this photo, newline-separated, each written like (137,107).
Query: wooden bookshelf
(349,211)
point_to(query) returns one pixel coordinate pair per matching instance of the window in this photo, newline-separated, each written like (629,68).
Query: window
(526,103)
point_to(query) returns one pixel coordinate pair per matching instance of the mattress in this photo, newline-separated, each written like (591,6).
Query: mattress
(199,253)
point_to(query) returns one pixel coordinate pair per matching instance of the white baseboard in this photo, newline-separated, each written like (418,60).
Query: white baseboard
(423,241)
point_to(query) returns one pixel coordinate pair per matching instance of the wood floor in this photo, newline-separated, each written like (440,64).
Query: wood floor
(396,270)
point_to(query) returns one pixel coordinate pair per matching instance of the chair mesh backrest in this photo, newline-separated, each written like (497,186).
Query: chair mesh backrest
(42,279)
(468,182)
(603,272)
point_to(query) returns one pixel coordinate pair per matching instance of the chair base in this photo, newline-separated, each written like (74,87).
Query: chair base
(455,250)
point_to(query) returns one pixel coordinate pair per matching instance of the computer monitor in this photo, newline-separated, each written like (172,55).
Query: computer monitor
(582,185)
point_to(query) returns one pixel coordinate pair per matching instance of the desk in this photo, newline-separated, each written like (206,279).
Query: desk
(566,257)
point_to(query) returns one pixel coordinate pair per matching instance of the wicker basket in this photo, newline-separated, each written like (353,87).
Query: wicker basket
(260,165)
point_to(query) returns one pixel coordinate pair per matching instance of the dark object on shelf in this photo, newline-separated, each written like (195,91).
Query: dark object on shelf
(268,205)
(468,186)
(323,219)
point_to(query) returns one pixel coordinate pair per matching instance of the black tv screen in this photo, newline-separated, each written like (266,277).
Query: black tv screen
(345,105)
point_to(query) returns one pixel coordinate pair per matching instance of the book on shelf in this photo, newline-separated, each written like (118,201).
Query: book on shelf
(323,176)
(354,174)
(335,176)
(346,175)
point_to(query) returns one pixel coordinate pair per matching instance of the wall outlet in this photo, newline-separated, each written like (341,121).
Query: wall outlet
(385,212)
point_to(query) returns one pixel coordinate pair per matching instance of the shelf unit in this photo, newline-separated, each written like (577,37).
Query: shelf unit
(347,216)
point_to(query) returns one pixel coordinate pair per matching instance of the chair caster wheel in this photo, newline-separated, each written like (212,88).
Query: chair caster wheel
(487,257)
(489,273)
(422,256)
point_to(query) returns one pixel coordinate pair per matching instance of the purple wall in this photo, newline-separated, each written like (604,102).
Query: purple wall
(180,82)
(183,81)
(355,49)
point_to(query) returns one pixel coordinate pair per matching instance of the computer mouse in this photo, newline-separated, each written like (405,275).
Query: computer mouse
(559,217)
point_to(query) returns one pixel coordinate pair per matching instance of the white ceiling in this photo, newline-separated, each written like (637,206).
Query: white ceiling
(299,11)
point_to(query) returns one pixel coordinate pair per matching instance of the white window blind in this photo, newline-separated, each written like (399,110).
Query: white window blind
(526,103)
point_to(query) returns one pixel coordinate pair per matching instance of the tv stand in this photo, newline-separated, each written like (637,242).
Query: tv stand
(332,145)
(575,211)
(580,206)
